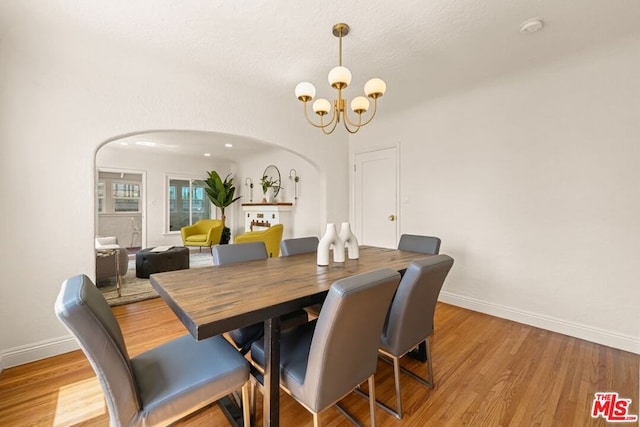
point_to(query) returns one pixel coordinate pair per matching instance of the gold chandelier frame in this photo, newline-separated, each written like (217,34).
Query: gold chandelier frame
(339,79)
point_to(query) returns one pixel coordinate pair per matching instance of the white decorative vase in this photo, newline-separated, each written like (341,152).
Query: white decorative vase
(269,195)
(349,239)
(330,239)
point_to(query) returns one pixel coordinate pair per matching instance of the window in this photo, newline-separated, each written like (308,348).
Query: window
(126,197)
(118,194)
(188,202)
(100,195)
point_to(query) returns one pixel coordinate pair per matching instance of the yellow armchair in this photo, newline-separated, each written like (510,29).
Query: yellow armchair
(271,238)
(206,232)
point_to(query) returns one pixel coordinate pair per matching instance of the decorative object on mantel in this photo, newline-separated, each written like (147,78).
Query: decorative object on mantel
(255,223)
(221,195)
(349,239)
(296,179)
(329,240)
(249,183)
(339,79)
(260,216)
(270,183)
(269,193)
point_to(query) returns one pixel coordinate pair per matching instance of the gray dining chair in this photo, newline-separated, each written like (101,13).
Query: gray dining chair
(428,245)
(325,359)
(232,253)
(245,252)
(159,386)
(415,243)
(410,318)
(299,245)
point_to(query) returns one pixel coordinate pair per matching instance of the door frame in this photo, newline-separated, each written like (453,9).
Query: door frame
(355,191)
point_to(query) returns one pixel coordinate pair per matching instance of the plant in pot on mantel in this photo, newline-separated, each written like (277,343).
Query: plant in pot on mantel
(221,194)
(269,186)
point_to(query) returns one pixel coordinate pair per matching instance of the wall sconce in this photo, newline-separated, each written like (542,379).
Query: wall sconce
(293,174)
(249,183)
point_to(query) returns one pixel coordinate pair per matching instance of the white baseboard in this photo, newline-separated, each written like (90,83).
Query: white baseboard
(599,336)
(32,352)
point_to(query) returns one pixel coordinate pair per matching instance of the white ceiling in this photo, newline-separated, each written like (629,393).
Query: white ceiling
(194,144)
(422,49)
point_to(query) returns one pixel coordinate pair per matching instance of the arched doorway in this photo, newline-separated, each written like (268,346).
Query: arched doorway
(168,158)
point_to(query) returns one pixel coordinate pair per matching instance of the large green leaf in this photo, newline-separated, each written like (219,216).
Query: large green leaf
(220,192)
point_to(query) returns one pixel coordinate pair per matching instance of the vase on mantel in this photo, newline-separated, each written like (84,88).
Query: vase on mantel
(269,195)
(349,239)
(330,239)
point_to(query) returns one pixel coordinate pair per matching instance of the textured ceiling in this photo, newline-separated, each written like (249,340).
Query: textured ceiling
(422,49)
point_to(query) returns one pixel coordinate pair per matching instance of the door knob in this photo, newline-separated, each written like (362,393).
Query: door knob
(392,217)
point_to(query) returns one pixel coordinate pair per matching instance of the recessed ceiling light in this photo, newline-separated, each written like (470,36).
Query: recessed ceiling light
(531,25)
(146,143)
(228,145)
(207,154)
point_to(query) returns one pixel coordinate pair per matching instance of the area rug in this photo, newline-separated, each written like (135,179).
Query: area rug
(135,289)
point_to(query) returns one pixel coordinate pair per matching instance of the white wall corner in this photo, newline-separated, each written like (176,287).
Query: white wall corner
(588,333)
(41,350)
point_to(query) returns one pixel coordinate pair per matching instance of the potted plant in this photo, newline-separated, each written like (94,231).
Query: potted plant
(221,194)
(268,188)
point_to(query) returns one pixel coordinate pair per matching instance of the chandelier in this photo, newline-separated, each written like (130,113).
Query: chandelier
(339,79)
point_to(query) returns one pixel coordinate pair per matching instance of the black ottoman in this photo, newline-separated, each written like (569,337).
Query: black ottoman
(148,262)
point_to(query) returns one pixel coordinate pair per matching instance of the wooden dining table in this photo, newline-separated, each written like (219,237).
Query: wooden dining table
(212,300)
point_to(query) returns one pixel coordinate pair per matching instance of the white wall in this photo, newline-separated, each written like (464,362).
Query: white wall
(307,217)
(533,184)
(61,97)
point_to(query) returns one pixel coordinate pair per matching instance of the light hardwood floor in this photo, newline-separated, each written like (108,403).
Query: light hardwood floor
(488,372)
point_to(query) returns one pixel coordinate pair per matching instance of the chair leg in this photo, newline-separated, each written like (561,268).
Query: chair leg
(252,401)
(396,375)
(346,414)
(246,415)
(396,413)
(429,363)
(396,378)
(253,398)
(372,400)
(429,380)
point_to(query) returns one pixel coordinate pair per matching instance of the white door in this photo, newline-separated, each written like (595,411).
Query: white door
(376,198)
